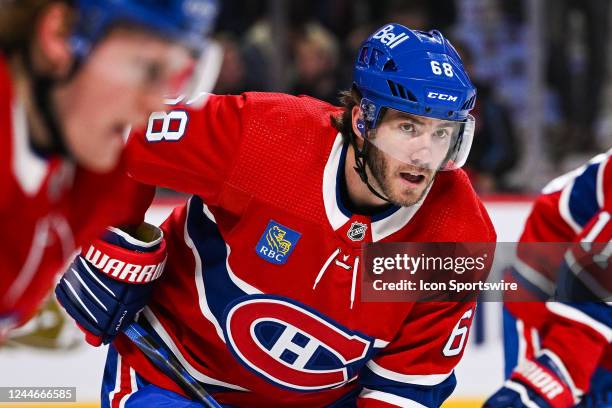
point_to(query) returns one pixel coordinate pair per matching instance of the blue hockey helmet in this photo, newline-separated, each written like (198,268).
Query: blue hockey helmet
(184,21)
(417,73)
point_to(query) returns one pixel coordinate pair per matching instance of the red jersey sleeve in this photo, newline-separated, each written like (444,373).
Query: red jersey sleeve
(191,148)
(417,367)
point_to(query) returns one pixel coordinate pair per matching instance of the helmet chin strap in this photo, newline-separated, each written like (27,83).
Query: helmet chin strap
(41,88)
(360,166)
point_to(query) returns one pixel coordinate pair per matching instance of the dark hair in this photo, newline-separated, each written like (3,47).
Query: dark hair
(18,21)
(344,122)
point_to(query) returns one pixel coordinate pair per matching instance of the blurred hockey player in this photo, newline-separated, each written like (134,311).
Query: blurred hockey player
(74,75)
(260,299)
(558,353)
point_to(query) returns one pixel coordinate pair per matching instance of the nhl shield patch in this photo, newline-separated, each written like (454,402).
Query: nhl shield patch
(277,243)
(357,231)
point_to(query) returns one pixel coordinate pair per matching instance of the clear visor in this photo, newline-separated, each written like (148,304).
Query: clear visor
(188,80)
(423,142)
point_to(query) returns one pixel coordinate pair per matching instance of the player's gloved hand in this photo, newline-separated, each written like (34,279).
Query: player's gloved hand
(536,382)
(111,281)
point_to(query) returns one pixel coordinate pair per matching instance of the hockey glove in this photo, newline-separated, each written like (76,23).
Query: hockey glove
(111,281)
(534,383)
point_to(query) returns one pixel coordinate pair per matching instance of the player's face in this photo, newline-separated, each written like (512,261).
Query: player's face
(401,183)
(125,78)
(415,140)
(405,153)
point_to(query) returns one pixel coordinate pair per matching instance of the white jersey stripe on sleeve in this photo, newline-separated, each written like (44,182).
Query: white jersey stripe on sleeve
(522,343)
(111,396)
(244,286)
(421,379)
(133,389)
(564,208)
(586,278)
(390,398)
(600,182)
(199,281)
(534,277)
(198,273)
(580,317)
(535,340)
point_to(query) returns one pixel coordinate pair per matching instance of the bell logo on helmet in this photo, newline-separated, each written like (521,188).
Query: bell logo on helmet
(387,37)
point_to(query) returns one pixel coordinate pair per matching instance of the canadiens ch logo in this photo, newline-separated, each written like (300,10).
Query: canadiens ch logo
(277,243)
(357,231)
(293,346)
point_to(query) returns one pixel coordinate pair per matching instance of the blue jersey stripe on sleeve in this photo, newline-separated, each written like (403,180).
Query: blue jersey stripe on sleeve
(583,202)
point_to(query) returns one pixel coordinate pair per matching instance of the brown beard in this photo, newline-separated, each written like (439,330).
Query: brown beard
(377,161)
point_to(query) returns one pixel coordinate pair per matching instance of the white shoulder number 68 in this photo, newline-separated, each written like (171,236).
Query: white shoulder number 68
(460,330)
(172,127)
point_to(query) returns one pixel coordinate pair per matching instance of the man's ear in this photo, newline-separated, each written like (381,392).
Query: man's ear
(357,121)
(52,51)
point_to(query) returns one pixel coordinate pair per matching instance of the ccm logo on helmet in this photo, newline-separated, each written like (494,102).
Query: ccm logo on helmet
(442,97)
(387,37)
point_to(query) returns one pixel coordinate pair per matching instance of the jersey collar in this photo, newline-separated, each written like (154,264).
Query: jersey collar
(30,169)
(383,224)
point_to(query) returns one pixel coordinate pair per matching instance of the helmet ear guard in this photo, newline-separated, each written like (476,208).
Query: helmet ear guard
(367,116)
(369,111)
(361,127)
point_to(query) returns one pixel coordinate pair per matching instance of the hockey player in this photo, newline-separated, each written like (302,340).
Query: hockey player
(260,299)
(558,354)
(73,76)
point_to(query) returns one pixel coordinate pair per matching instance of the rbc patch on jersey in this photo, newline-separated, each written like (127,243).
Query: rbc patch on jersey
(277,243)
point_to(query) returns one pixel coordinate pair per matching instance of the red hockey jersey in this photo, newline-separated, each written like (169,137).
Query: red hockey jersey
(260,299)
(577,334)
(48,208)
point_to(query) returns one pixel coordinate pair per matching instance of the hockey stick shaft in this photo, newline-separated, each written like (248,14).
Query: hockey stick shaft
(168,363)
